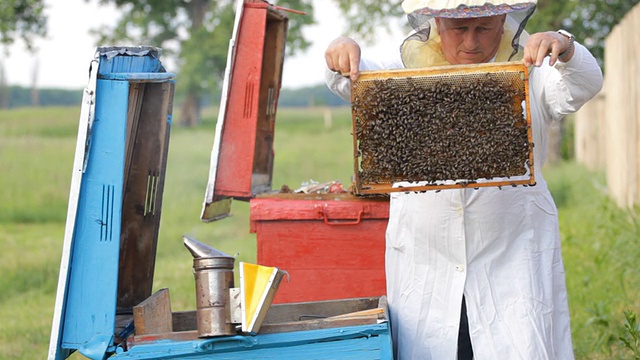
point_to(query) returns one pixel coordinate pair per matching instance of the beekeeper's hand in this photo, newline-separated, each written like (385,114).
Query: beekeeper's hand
(549,43)
(343,56)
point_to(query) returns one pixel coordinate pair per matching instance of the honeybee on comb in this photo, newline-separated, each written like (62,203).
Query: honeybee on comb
(415,130)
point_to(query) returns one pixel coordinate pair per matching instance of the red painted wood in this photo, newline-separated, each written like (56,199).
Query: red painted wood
(324,261)
(341,207)
(235,160)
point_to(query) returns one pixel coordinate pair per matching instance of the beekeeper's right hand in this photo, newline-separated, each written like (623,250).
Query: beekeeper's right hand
(343,56)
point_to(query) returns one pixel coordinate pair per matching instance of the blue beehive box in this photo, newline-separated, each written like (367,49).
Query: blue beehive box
(104,305)
(115,198)
(332,329)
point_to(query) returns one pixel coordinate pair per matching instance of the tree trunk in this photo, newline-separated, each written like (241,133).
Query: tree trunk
(190,111)
(4,89)
(35,93)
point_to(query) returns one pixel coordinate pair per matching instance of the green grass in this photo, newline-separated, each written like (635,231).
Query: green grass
(600,241)
(601,250)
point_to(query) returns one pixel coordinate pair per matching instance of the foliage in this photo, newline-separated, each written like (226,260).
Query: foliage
(19,96)
(161,22)
(590,21)
(367,17)
(549,15)
(631,340)
(194,34)
(318,95)
(600,251)
(599,240)
(23,19)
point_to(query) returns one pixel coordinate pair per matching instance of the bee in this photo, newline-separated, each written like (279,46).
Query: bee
(433,129)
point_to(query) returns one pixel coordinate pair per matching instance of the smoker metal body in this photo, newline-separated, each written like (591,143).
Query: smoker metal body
(214,278)
(213,271)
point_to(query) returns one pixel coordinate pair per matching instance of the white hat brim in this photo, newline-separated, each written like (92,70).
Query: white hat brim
(465,8)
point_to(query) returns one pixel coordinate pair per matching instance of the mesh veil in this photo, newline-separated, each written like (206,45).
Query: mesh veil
(421,15)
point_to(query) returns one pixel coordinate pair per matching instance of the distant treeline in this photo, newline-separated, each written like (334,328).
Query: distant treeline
(318,95)
(18,96)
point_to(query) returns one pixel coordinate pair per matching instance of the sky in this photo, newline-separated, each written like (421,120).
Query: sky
(63,57)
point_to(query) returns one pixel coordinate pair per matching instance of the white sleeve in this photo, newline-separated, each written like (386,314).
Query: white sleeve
(564,87)
(341,85)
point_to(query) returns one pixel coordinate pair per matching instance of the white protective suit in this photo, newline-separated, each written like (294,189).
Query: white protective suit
(500,248)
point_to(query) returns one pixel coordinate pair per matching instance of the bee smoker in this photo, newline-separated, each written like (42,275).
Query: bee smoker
(213,271)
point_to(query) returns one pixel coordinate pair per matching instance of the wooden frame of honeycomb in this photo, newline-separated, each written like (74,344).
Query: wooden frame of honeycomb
(442,127)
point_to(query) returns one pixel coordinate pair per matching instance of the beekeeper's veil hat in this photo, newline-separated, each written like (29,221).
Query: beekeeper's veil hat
(422,47)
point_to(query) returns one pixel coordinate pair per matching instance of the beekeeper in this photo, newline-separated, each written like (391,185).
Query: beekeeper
(479,273)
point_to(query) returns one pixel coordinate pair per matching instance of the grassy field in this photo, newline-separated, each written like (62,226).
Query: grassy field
(600,241)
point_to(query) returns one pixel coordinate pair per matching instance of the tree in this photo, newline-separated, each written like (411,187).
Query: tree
(590,21)
(195,34)
(549,15)
(367,17)
(20,19)
(4,89)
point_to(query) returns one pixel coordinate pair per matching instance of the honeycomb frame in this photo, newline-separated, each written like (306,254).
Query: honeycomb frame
(383,101)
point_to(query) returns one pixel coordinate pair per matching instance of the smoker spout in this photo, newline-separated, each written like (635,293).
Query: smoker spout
(200,250)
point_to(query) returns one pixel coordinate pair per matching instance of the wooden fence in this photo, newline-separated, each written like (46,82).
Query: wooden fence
(607,129)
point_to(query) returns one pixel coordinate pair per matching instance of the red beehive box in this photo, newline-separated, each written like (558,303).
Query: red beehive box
(331,245)
(242,156)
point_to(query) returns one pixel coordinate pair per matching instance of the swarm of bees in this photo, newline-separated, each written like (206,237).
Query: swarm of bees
(447,130)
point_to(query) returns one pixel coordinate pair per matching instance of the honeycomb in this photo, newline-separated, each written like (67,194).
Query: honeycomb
(442,127)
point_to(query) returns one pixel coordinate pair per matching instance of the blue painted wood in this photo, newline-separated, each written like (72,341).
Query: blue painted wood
(90,279)
(356,343)
(140,77)
(89,317)
(137,59)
